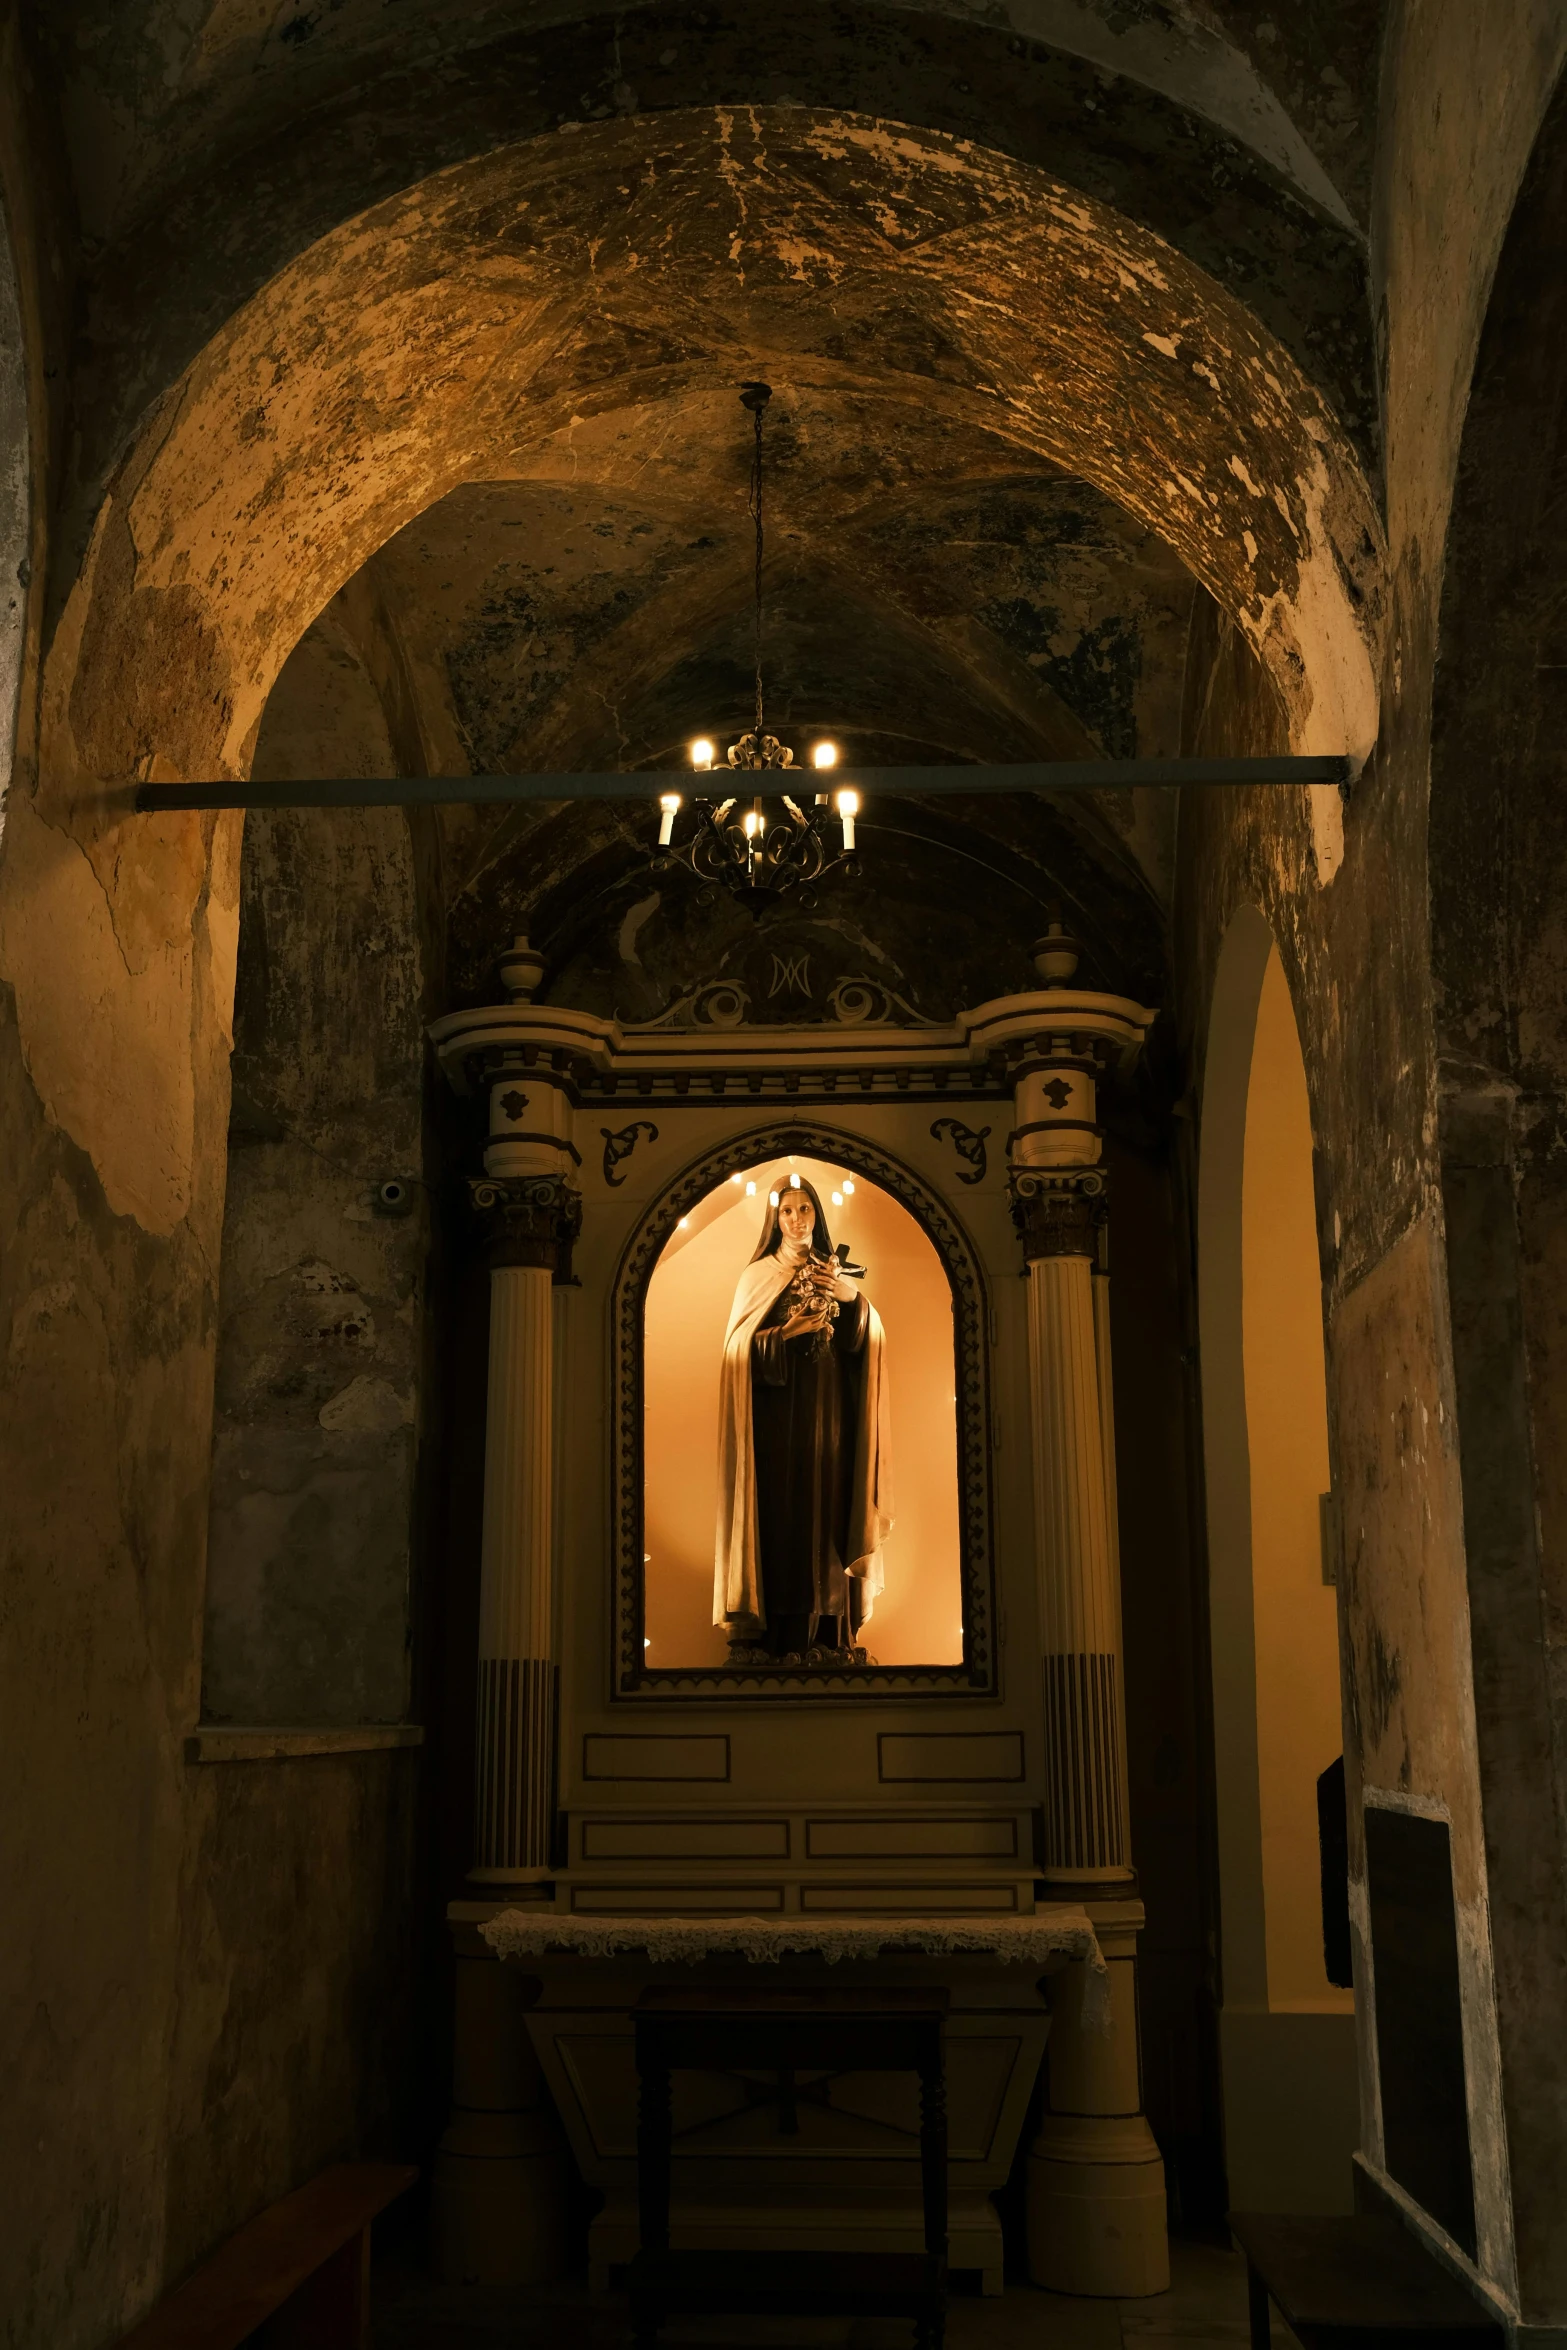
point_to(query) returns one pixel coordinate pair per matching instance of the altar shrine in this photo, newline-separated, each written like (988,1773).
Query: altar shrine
(921,1782)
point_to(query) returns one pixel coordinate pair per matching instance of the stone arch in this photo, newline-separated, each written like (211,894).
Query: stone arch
(568,291)
(1287,2037)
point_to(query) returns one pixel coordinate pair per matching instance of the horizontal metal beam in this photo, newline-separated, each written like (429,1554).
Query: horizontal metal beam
(412,791)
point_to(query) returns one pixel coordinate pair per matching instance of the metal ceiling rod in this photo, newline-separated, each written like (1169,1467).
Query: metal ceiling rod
(647,783)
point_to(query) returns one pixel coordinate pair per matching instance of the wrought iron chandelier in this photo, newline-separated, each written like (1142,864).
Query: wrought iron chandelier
(754,854)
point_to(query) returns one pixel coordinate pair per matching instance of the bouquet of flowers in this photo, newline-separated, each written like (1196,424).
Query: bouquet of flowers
(802,1294)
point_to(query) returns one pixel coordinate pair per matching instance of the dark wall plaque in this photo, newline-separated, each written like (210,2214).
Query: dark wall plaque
(1420,2036)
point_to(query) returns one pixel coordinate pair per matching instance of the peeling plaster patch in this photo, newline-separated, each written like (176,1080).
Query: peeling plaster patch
(636,916)
(367,1406)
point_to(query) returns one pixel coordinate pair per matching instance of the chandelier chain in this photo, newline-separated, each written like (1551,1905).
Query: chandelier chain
(755,503)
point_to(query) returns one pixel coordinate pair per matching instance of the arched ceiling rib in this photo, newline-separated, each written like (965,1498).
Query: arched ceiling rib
(150,84)
(223,204)
(577,286)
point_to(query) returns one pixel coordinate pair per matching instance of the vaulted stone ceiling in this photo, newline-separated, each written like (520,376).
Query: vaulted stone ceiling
(428,321)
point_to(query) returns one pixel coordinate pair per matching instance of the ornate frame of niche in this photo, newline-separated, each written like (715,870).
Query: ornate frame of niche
(631,1676)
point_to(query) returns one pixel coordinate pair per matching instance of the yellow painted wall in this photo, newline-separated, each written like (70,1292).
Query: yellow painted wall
(1299,1727)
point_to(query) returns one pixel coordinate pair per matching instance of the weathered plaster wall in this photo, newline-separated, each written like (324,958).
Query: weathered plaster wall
(1461,100)
(1498,868)
(321,1294)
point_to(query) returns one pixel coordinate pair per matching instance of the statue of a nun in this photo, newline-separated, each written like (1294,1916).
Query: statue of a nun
(804,1464)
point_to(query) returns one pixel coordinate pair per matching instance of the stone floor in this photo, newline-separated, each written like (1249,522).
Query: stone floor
(1205,2309)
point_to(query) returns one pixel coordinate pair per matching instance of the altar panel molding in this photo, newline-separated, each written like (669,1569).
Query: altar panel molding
(859,1900)
(648,1838)
(960,1757)
(655,1756)
(684,1900)
(894,1838)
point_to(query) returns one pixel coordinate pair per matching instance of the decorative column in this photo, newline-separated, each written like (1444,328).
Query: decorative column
(502,2172)
(1096,2204)
(528,1225)
(529,1214)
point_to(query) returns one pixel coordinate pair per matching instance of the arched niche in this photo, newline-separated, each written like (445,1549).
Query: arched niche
(941,1257)
(1287,2034)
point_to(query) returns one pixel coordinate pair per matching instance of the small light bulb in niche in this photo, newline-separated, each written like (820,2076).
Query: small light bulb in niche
(848,1184)
(837,1199)
(734,1178)
(794,1180)
(647,1643)
(750,1191)
(684,1224)
(772,1199)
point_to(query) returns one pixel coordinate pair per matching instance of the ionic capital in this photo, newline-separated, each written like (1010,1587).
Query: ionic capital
(1058,1211)
(527,1220)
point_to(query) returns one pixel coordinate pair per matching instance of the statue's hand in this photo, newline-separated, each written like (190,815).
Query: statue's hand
(803,1321)
(831,1283)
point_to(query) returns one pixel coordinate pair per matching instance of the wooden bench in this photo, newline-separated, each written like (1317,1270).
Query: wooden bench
(786,2033)
(300,2270)
(1358,2283)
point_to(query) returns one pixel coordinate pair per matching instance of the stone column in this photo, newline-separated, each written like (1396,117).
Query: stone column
(1085,1842)
(529,1223)
(501,2175)
(1096,2206)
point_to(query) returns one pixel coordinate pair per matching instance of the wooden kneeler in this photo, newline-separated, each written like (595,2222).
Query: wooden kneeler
(787,2032)
(300,2269)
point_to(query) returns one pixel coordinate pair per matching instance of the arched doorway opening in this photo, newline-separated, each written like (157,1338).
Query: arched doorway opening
(1286,2033)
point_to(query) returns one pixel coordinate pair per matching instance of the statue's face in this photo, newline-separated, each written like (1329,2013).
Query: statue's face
(796,1216)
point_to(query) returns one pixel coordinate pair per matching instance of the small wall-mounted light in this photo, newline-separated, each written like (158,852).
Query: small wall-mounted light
(847,804)
(824,755)
(669,801)
(702,754)
(772,1199)
(794,1180)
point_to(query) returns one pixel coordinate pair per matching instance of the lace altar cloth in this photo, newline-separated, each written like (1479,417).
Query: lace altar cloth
(1050,1934)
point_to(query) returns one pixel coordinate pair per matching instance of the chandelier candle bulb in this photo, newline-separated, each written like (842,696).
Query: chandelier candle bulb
(670,804)
(825,755)
(702,754)
(848,805)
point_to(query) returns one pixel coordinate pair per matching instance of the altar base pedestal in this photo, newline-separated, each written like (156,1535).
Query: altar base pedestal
(1095,2200)
(502,2174)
